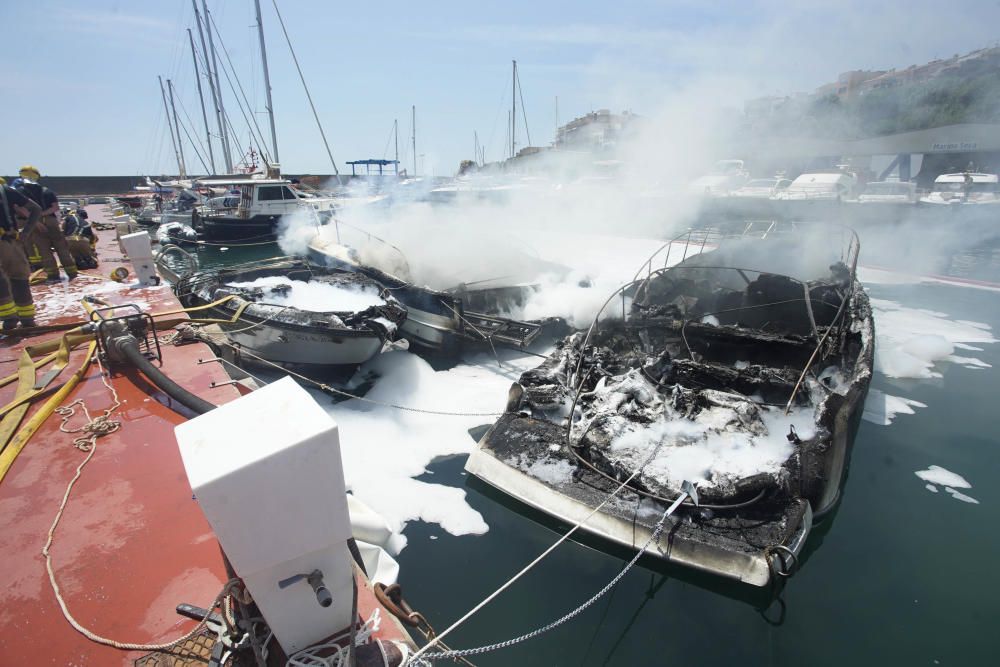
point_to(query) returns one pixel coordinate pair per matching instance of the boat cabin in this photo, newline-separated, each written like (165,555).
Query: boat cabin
(249,209)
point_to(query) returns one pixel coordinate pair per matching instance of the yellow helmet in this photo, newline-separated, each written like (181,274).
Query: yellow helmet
(3,181)
(30,172)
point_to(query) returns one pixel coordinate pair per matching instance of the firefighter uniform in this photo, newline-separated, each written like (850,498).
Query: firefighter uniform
(16,304)
(47,234)
(81,240)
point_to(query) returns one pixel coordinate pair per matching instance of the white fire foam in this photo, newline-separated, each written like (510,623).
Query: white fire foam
(385,448)
(881,408)
(911,341)
(936,475)
(317,297)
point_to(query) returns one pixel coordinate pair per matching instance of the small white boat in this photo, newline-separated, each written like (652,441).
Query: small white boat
(343,318)
(963,189)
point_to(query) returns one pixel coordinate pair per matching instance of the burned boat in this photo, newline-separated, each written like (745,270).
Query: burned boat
(734,381)
(440,321)
(344,318)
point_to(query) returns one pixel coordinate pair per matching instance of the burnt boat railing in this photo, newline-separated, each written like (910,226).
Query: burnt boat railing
(850,250)
(577,380)
(166,250)
(337,224)
(191,281)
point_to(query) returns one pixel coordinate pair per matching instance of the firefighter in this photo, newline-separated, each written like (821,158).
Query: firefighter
(16,304)
(47,234)
(81,240)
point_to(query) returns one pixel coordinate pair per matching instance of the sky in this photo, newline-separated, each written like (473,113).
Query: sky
(83,98)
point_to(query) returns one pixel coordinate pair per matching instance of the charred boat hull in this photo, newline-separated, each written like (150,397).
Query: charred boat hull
(736,548)
(437,321)
(744,383)
(284,335)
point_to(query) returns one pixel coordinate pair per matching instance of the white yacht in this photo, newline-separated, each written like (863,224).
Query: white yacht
(965,188)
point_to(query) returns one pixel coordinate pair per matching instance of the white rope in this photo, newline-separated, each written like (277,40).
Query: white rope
(415,659)
(310,657)
(654,536)
(94,428)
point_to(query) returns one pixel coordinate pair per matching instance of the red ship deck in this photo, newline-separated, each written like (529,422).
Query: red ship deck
(132,543)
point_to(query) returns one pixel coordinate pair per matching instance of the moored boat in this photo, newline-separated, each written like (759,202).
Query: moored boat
(289,312)
(731,383)
(252,208)
(437,320)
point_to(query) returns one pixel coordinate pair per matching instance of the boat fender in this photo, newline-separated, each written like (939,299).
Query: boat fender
(781,560)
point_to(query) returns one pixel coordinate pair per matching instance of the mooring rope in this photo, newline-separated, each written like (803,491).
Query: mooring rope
(421,657)
(346,394)
(93,429)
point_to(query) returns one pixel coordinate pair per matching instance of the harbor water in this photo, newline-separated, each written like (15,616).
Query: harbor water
(903,572)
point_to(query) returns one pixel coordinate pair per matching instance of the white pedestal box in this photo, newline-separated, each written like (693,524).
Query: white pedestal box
(267,473)
(124,228)
(136,245)
(138,249)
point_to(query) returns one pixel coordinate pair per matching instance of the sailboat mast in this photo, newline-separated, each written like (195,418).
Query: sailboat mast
(414,140)
(513,110)
(211,86)
(218,87)
(170,126)
(267,84)
(177,129)
(395,139)
(201,98)
(302,78)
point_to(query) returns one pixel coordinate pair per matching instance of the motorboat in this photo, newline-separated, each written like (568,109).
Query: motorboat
(882,202)
(438,320)
(754,198)
(761,188)
(819,187)
(964,188)
(730,384)
(291,313)
(251,208)
(725,176)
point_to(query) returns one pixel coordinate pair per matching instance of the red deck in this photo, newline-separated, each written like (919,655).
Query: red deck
(132,543)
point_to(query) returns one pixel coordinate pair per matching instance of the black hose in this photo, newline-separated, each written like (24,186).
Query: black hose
(128,348)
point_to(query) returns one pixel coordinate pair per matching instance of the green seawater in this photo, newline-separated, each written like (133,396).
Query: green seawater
(897,575)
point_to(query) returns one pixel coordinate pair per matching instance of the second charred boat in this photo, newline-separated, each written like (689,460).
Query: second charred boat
(744,381)
(292,313)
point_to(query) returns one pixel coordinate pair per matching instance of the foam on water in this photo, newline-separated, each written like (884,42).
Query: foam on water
(936,475)
(939,475)
(881,408)
(385,448)
(318,297)
(911,341)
